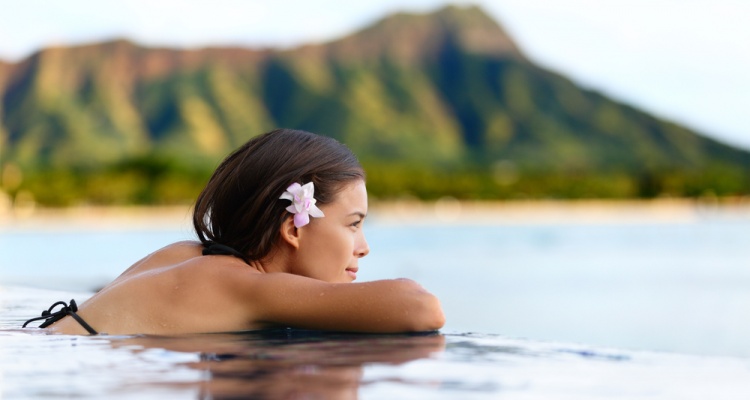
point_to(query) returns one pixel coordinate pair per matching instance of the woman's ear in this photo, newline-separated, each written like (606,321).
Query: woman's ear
(289,232)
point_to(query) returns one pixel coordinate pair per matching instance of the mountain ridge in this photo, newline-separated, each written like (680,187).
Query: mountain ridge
(443,103)
(410,37)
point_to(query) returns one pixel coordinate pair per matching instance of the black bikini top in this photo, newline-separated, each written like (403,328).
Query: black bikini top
(216,249)
(52,317)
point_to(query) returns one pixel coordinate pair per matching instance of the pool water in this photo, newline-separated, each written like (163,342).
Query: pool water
(293,364)
(632,308)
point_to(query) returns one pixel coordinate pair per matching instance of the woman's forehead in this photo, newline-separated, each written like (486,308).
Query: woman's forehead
(352,198)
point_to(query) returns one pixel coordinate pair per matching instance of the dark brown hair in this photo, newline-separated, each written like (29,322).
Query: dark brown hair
(240,205)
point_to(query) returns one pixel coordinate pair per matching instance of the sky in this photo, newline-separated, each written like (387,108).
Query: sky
(683,60)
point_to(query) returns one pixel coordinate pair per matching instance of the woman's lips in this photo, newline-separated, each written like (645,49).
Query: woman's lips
(352,272)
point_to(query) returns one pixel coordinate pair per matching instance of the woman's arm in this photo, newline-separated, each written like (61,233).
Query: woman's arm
(398,305)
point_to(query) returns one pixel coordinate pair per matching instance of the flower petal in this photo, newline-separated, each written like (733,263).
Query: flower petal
(308,190)
(287,196)
(301,219)
(314,211)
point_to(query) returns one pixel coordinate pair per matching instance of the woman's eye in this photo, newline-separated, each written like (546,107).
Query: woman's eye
(356,224)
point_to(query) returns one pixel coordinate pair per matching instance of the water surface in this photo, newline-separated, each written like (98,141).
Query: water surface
(566,310)
(287,364)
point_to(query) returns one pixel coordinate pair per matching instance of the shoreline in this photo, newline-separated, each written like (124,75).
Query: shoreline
(443,211)
(98,217)
(447,211)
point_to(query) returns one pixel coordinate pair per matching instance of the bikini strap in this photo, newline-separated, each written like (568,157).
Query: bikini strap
(50,317)
(217,249)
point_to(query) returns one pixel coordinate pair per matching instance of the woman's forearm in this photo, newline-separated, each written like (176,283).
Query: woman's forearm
(397,305)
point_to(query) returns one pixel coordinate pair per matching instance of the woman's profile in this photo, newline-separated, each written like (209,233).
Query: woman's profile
(280,235)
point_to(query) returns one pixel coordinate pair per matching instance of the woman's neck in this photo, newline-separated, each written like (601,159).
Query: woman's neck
(276,261)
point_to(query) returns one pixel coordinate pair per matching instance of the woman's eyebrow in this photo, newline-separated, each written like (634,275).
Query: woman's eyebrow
(359,214)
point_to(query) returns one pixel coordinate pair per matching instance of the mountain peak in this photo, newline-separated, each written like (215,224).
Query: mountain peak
(476,30)
(410,37)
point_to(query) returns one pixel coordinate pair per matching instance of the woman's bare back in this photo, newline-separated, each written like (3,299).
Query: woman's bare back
(173,290)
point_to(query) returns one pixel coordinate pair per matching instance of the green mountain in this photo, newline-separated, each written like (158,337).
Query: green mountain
(434,104)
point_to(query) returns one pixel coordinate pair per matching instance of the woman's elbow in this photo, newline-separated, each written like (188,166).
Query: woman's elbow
(421,310)
(435,316)
(428,316)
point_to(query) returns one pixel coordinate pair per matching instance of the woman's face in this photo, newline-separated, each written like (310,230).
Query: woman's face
(330,247)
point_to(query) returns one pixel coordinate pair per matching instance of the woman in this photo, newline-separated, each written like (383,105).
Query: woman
(280,229)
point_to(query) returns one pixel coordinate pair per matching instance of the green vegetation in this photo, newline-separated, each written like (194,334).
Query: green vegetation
(435,105)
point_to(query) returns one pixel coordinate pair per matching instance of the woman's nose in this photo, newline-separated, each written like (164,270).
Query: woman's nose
(363,249)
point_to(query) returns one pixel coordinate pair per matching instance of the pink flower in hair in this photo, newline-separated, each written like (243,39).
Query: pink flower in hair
(303,203)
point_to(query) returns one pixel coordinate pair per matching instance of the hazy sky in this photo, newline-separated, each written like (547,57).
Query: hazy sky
(684,60)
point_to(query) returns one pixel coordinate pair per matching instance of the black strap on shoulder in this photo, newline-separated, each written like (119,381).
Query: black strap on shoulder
(216,249)
(50,317)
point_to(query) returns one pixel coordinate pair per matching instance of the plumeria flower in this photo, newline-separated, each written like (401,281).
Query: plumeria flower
(303,203)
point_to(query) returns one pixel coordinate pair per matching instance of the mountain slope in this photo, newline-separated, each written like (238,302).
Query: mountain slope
(435,104)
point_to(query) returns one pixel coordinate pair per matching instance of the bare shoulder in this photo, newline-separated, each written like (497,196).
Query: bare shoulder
(181,246)
(171,254)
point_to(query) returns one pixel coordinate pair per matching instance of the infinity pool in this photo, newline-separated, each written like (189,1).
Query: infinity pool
(291,364)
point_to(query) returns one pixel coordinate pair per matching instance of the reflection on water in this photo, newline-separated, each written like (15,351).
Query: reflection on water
(285,363)
(270,364)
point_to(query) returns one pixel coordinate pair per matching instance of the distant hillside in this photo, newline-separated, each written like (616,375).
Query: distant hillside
(436,104)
